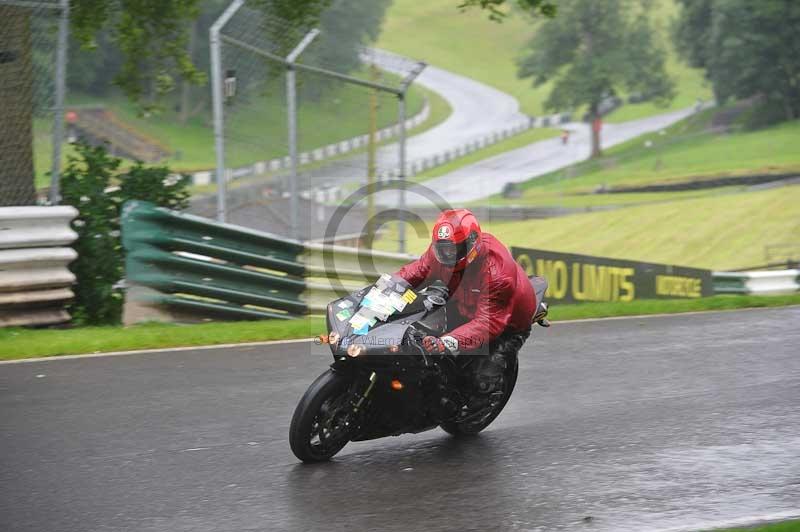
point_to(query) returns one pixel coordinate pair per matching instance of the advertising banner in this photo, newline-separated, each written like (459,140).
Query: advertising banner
(580,278)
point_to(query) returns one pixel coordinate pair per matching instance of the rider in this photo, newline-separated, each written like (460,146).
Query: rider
(489,291)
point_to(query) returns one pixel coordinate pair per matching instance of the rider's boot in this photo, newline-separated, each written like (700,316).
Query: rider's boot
(488,380)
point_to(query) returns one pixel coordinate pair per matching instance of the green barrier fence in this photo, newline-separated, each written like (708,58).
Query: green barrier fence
(202,267)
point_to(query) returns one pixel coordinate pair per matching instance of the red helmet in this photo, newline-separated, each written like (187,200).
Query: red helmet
(456,238)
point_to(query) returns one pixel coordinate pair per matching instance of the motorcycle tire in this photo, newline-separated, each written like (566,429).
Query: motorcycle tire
(469,429)
(324,391)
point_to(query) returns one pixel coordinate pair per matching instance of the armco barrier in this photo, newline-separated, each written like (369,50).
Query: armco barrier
(180,266)
(757,282)
(183,267)
(34,279)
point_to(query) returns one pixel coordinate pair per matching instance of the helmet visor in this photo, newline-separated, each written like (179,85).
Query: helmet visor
(448,252)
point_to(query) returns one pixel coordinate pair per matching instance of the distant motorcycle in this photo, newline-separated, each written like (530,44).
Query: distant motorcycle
(383,383)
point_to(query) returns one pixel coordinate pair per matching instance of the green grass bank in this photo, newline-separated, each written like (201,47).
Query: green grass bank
(721,232)
(690,150)
(255,129)
(27,343)
(786,526)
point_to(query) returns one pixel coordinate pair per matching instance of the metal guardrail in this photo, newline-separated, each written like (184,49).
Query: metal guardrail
(186,266)
(757,282)
(34,279)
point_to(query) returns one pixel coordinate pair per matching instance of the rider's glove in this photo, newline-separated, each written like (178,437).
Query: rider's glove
(434,345)
(440,346)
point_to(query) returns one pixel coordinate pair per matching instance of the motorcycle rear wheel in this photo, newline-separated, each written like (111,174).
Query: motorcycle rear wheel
(459,428)
(317,433)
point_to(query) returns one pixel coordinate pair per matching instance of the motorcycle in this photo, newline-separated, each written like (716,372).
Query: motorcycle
(383,383)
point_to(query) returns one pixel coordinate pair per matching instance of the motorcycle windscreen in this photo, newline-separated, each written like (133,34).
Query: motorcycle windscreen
(383,335)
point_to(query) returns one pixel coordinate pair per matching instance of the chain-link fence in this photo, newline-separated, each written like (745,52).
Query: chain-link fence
(308,112)
(33,40)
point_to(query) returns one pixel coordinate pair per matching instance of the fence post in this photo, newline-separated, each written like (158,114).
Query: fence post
(419,67)
(291,112)
(216,96)
(402,173)
(58,106)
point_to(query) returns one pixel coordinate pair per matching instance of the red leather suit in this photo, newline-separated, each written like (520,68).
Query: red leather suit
(492,293)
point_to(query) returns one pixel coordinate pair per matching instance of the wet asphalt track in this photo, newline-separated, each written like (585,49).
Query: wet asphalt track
(659,423)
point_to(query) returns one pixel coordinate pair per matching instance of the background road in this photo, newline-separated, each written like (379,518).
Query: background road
(487,177)
(657,423)
(477,110)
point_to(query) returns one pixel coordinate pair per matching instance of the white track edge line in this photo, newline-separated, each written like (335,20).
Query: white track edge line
(157,350)
(301,340)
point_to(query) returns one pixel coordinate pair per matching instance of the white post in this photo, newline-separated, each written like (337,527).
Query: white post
(216,98)
(58,106)
(402,172)
(291,111)
(401,111)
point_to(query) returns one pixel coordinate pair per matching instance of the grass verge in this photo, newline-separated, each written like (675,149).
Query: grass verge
(722,232)
(686,151)
(668,306)
(786,526)
(27,343)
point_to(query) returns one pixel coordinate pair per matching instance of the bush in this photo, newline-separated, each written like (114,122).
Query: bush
(763,113)
(87,184)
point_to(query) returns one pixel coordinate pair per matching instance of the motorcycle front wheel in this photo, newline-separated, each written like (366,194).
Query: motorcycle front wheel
(471,426)
(318,430)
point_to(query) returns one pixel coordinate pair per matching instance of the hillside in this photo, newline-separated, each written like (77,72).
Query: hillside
(256,130)
(470,44)
(723,232)
(693,149)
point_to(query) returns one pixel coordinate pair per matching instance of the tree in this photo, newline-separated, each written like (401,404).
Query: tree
(93,73)
(99,267)
(497,13)
(593,50)
(345,27)
(150,34)
(746,48)
(691,31)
